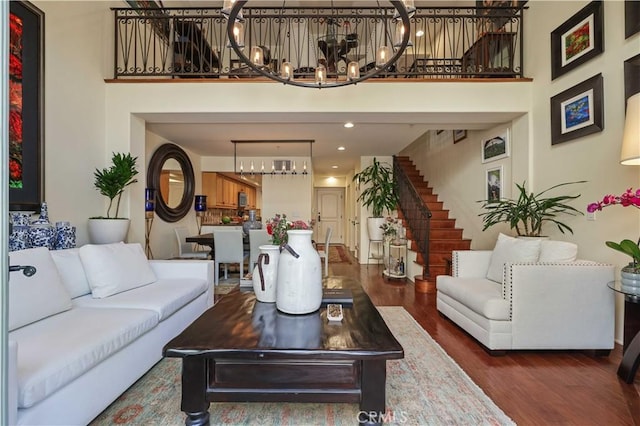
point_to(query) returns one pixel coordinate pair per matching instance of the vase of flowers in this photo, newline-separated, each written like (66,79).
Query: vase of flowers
(630,274)
(278,226)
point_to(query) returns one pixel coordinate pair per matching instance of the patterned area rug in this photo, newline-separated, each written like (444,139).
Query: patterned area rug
(226,288)
(425,388)
(337,253)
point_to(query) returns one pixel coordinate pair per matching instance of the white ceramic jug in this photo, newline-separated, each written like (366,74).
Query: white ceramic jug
(265,273)
(299,289)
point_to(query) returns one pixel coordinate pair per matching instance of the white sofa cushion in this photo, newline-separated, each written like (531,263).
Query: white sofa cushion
(71,271)
(481,295)
(164,297)
(557,251)
(511,250)
(114,268)
(50,356)
(39,296)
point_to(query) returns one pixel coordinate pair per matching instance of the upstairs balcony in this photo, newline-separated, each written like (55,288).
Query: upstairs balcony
(444,43)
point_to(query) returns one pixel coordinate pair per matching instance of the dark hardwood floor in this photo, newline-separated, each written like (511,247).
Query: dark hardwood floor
(531,387)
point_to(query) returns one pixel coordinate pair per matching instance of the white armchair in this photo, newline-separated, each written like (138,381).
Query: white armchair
(538,305)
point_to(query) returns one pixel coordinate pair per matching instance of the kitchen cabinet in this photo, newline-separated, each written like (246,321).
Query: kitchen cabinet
(222,191)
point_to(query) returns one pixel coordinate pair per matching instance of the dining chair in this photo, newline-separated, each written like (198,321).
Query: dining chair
(229,250)
(187,250)
(257,238)
(324,253)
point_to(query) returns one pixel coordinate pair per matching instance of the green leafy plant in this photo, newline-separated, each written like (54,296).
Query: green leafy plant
(380,193)
(112,181)
(630,248)
(529,212)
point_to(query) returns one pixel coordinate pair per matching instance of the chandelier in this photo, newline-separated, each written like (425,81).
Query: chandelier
(318,47)
(270,157)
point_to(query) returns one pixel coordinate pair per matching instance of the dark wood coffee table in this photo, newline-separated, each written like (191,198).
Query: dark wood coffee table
(242,350)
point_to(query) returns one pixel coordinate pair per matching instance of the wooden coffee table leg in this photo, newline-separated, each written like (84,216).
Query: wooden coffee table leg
(194,391)
(373,382)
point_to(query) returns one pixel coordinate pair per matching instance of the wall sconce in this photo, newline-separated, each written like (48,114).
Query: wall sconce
(149,208)
(200,206)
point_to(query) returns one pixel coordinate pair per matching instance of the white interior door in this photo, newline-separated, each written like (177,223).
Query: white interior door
(330,208)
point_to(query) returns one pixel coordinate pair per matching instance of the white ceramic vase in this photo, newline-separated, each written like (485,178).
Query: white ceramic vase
(299,288)
(265,273)
(373,228)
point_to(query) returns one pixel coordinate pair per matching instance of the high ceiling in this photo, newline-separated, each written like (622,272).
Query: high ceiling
(373,134)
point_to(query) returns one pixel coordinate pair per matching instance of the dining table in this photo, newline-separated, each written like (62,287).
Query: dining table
(207,240)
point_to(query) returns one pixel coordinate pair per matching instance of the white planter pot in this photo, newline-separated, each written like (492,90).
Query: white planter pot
(106,231)
(373,228)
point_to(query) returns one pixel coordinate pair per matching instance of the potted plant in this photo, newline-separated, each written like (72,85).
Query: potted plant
(529,212)
(631,273)
(379,194)
(111,182)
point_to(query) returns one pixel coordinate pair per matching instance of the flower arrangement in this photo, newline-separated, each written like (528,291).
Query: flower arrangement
(626,246)
(278,226)
(389,227)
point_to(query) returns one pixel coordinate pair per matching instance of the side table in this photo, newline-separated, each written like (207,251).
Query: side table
(395,256)
(631,347)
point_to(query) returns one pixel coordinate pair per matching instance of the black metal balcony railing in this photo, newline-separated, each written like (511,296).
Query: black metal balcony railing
(416,214)
(192,42)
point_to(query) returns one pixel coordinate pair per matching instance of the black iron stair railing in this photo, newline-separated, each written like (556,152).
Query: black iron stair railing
(417,215)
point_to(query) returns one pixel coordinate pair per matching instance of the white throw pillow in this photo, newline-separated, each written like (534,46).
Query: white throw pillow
(557,251)
(71,271)
(38,296)
(511,250)
(114,268)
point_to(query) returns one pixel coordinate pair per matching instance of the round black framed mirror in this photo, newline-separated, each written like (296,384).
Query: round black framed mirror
(170,173)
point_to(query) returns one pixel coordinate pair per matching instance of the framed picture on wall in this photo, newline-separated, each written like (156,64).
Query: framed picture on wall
(578,111)
(631,17)
(493,182)
(458,135)
(496,147)
(26,111)
(577,40)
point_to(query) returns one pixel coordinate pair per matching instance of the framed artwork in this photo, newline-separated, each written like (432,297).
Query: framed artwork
(458,135)
(26,106)
(577,111)
(496,147)
(631,79)
(493,181)
(631,17)
(577,40)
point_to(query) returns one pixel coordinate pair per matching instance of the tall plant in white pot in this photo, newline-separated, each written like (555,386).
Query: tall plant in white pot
(379,194)
(111,182)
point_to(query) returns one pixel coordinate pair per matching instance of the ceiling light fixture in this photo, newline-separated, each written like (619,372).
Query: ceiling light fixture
(348,125)
(341,148)
(262,160)
(332,48)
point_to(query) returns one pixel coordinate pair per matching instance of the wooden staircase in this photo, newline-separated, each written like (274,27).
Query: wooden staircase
(444,237)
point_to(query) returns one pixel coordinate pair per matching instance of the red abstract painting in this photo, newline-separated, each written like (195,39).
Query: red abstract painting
(15,102)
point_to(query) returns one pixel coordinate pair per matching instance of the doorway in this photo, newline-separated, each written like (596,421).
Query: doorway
(330,214)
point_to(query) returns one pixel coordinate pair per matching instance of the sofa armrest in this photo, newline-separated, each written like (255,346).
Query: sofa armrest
(470,263)
(12,377)
(568,304)
(200,269)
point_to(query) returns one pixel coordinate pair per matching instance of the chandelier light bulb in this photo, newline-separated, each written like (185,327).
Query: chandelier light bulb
(293,168)
(399,36)
(321,75)
(286,71)
(353,71)
(257,55)
(238,33)
(262,167)
(382,56)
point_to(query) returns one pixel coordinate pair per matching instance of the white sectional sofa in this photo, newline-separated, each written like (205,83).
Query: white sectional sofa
(90,322)
(530,295)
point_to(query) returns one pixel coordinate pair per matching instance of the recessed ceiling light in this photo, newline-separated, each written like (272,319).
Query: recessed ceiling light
(341,148)
(419,33)
(348,125)
(334,167)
